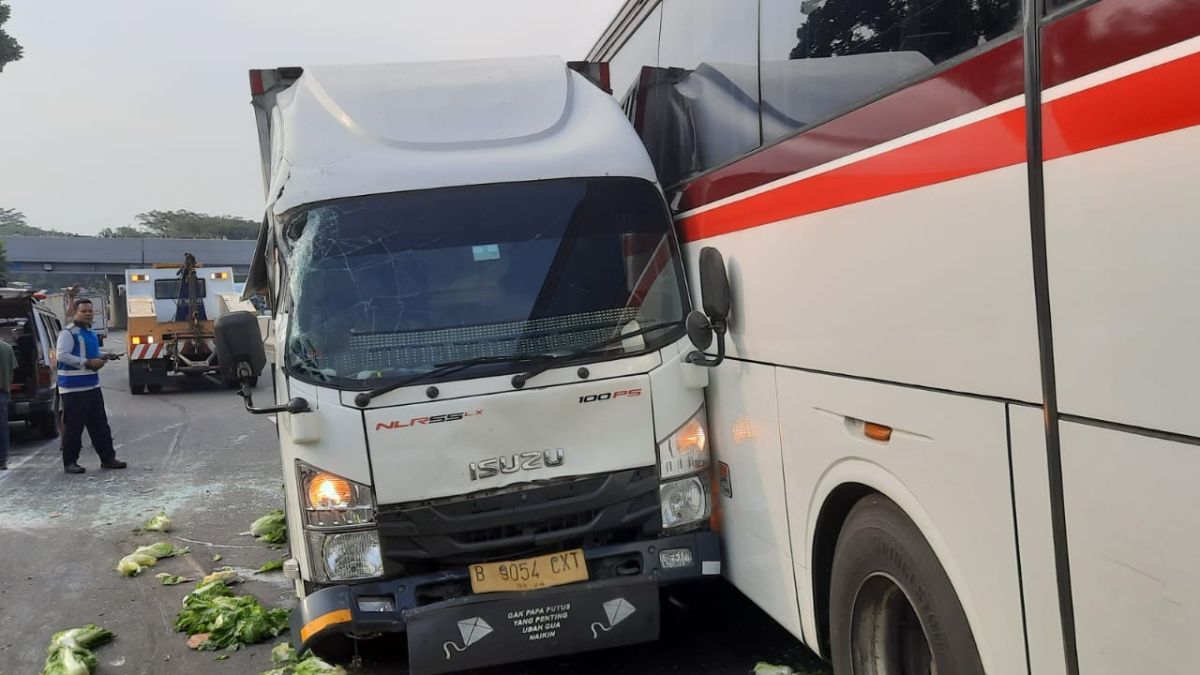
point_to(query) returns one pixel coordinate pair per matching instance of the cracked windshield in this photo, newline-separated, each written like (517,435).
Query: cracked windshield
(388,286)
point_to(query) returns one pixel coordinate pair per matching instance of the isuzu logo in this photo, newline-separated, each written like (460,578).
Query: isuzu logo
(509,464)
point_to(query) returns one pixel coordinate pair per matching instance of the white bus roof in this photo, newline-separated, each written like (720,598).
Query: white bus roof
(342,131)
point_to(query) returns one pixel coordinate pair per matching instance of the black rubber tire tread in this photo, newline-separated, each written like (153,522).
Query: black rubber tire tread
(878,537)
(154,388)
(336,648)
(137,389)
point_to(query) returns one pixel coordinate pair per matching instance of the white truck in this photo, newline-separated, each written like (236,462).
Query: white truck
(489,394)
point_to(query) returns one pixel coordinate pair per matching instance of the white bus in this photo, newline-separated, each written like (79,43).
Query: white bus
(957,425)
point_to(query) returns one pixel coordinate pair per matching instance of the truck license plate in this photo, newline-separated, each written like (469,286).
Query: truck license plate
(529,574)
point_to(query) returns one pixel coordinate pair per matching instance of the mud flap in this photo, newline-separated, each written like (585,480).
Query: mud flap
(486,630)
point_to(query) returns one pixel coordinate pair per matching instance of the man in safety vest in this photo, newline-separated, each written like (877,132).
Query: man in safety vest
(79,364)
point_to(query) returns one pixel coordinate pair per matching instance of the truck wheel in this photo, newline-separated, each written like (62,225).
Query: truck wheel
(137,389)
(47,424)
(892,609)
(154,388)
(336,648)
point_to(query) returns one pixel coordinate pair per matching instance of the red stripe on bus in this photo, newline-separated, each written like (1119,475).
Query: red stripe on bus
(1142,104)
(1111,32)
(978,147)
(1147,103)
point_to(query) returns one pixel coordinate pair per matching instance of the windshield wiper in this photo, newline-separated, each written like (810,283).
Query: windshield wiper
(364,398)
(549,360)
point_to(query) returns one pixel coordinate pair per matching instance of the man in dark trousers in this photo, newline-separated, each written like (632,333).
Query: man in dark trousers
(79,364)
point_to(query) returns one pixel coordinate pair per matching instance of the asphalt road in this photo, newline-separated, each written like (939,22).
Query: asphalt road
(195,454)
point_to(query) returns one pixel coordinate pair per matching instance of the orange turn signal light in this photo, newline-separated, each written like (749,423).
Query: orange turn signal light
(877,432)
(141,339)
(327,491)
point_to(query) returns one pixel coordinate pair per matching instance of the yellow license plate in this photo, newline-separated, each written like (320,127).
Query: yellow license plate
(529,574)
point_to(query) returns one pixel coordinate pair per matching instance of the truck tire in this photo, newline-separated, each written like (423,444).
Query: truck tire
(137,389)
(154,388)
(892,609)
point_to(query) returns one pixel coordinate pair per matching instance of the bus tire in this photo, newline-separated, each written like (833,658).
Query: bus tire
(892,609)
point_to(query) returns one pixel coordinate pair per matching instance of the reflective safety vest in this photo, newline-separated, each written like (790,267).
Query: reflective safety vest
(79,378)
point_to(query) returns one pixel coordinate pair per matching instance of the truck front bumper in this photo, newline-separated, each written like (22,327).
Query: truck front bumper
(477,630)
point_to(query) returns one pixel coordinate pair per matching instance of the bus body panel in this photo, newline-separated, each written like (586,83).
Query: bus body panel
(754,518)
(896,244)
(916,289)
(945,452)
(1039,583)
(1125,330)
(1132,525)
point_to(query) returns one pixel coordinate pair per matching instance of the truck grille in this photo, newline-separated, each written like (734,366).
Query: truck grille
(593,510)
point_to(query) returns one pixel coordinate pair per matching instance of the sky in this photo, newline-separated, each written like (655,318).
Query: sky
(138,105)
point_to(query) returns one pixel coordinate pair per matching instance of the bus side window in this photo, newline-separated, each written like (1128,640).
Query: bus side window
(1053,6)
(700,105)
(638,52)
(822,58)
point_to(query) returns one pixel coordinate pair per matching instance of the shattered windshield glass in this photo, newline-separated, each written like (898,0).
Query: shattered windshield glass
(389,286)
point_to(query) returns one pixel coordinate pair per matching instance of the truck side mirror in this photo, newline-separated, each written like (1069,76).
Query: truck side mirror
(714,284)
(242,357)
(714,295)
(240,349)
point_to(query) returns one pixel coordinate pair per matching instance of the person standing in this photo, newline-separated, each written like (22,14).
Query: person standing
(79,364)
(7,359)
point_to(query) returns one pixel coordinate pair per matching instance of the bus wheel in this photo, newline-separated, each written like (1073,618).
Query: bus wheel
(892,609)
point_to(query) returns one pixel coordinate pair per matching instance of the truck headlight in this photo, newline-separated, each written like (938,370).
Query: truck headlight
(345,556)
(686,450)
(332,501)
(684,502)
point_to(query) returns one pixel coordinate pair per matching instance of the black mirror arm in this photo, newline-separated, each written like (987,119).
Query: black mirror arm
(701,359)
(294,406)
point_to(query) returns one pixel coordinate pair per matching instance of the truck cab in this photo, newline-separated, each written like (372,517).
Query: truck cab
(490,410)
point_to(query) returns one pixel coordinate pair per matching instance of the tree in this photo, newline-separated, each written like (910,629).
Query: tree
(12,224)
(3,265)
(122,232)
(9,49)
(185,225)
(938,30)
(11,218)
